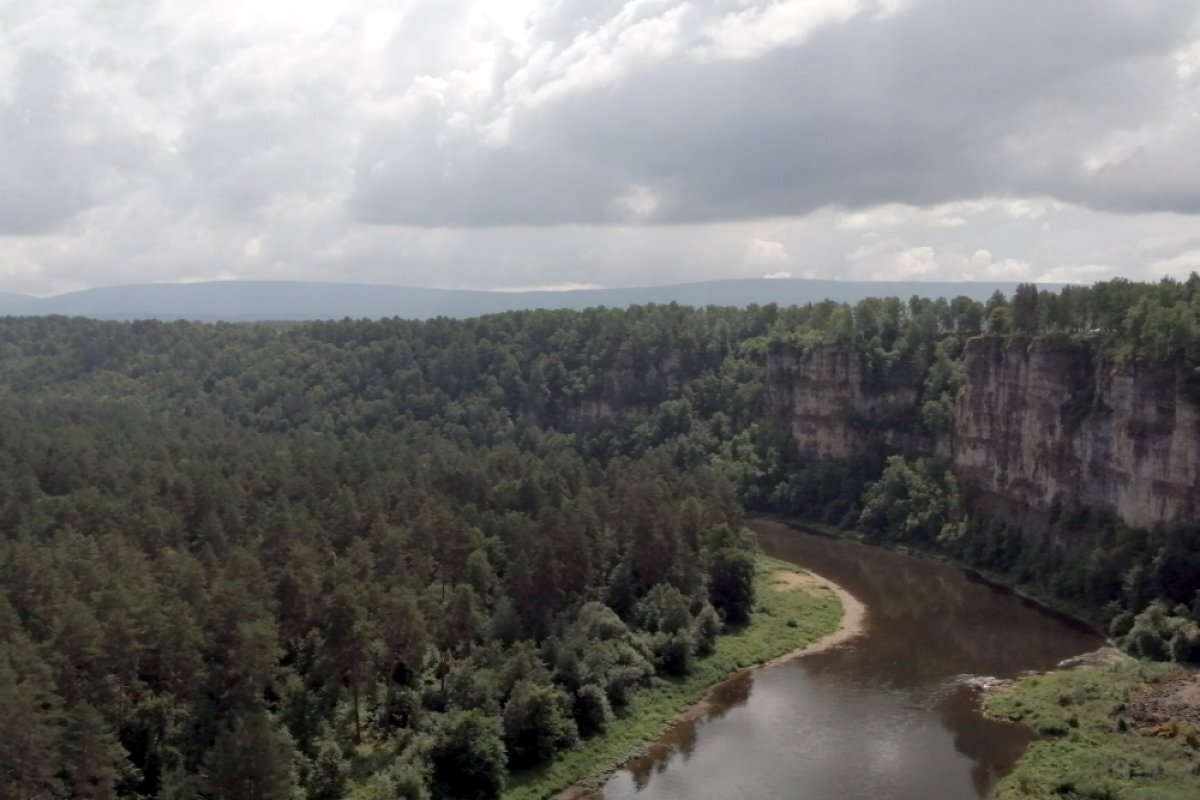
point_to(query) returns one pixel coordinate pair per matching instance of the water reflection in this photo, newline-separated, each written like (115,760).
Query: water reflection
(888,714)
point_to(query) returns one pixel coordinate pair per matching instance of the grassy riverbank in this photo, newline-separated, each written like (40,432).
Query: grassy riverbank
(1096,747)
(788,617)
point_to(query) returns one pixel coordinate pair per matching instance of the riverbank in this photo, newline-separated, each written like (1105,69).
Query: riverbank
(853,623)
(791,617)
(1101,741)
(1110,726)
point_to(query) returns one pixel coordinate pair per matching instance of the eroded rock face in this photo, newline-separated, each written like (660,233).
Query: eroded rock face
(1042,425)
(1045,422)
(833,412)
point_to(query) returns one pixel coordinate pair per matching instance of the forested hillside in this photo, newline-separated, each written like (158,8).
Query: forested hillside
(401,559)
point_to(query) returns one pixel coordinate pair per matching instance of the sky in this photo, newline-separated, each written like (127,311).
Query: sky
(563,143)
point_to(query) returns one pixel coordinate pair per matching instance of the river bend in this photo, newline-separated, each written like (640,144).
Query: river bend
(892,714)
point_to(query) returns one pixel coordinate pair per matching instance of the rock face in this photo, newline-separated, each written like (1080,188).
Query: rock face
(833,412)
(1043,425)
(1046,423)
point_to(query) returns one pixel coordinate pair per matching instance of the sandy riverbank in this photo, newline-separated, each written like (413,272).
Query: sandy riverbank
(853,624)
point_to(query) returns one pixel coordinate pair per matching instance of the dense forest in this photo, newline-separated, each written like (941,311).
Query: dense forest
(398,559)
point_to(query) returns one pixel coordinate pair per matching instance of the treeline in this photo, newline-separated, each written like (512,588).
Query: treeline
(401,559)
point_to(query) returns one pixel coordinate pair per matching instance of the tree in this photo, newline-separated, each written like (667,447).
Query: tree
(537,723)
(1025,309)
(468,756)
(731,578)
(592,711)
(252,759)
(599,648)
(95,761)
(404,639)
(329,771)
(911,500)
(30,725)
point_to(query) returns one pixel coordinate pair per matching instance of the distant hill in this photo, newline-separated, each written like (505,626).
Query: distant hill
(9,298)
(243,301)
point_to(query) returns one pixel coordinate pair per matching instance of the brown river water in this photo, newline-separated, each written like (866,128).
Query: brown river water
(890,715)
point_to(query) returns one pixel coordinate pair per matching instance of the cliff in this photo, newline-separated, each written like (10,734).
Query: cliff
(1045,424)
(1042,425)
(833,412)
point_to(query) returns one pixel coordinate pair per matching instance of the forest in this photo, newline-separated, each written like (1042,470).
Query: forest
(400,559)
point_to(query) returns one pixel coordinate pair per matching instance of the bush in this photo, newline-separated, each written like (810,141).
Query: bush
(707,628)
(468,755)
(673,653)
(598,648)
(537,723)
(1160,635)
(663,610)
(398,782)
(592,711)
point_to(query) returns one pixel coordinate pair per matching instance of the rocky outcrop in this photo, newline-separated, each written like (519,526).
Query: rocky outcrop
(833,412)
(1047,424)
(1042,426)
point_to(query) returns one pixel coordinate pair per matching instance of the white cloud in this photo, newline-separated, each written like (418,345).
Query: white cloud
(771,276)
(1180,265)
(894,215)
(1024,209)
(917,262)
(751,32)
(1187,61)
(761,253)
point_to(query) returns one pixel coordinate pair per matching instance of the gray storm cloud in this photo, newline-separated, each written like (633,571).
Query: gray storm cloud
(940,101)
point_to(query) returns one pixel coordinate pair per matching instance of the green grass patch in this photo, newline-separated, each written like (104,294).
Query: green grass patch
(783,621)
(1091,750)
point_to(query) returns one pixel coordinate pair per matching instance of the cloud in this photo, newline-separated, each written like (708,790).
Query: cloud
(781,108)
(1179,265)
(750,33)
(761,253)
(60,148)
(916,262)
(550,142)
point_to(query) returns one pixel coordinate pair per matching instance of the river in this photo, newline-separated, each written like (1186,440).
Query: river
(891,715)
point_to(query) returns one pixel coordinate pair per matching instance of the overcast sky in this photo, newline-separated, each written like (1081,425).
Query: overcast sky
(537,143)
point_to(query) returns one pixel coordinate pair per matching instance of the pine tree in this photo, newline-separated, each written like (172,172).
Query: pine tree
(252,759)
(31,725)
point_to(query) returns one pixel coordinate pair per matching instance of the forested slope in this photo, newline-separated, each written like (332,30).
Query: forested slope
(397,558)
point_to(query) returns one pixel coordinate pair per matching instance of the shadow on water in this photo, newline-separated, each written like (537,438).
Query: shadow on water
(893,713)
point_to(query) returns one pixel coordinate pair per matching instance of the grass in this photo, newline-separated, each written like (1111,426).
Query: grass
(784,621)
(1090,750)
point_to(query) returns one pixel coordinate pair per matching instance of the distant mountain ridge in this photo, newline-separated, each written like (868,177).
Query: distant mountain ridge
(246,301)
(8,298)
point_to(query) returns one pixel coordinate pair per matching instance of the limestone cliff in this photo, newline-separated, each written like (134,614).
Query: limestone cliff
(1042,425)
(822,396)
(1047,423)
